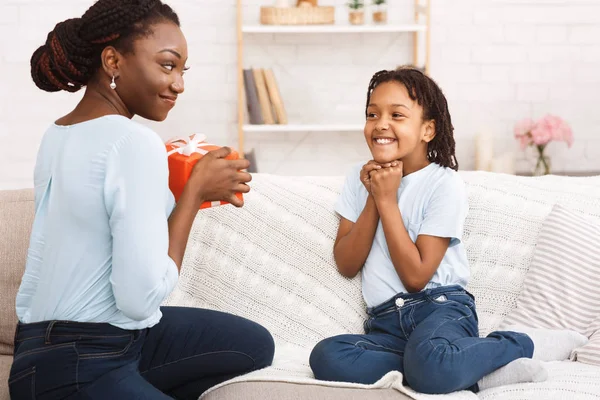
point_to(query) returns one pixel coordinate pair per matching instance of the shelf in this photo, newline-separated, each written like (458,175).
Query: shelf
(418,30)
(334,28)
(305,128)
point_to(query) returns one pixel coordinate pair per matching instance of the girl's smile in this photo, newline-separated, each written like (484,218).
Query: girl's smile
(384,141)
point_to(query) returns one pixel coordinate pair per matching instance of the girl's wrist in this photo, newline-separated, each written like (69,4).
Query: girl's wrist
(371,201)
(385,202)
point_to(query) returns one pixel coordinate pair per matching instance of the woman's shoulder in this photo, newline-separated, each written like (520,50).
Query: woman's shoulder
(108,129)
(123,126)
(120,132)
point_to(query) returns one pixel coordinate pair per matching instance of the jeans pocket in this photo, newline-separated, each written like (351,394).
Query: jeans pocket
(21,385)
(469,301)
(443,300)
(48,369)
(456,301)
(463,298)
(89,347)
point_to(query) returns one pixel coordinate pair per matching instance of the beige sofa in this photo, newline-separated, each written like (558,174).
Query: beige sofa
(16,217)
(272,262)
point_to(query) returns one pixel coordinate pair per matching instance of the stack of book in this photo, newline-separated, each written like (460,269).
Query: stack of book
(263,98)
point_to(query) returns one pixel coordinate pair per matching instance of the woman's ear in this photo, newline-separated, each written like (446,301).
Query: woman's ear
(428,130)
(111,60)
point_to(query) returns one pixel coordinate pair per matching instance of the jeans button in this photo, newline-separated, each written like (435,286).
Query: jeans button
(399,302)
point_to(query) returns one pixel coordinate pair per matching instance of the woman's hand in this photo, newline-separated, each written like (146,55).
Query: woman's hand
(385,183)
(216,179)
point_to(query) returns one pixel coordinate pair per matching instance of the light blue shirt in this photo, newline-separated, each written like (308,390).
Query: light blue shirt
(432,202)
(98,250)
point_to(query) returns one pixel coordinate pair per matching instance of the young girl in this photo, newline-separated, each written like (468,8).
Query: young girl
(402,217)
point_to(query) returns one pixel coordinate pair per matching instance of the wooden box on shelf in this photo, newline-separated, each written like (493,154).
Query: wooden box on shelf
(297,15)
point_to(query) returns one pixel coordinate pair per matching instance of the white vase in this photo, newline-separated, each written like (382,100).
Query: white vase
(484,151)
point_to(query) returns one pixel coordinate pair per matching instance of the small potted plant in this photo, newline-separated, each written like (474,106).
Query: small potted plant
(357,13)
(380,13)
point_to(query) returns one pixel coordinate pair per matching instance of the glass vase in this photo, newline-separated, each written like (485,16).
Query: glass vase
(542,164)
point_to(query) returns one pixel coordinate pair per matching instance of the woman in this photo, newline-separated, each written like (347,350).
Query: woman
(107,241)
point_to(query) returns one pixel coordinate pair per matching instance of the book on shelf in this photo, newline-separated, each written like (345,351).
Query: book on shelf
(252,104)
(275,96)
(263,98)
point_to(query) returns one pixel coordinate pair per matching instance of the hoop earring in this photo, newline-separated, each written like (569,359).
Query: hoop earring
(113,85)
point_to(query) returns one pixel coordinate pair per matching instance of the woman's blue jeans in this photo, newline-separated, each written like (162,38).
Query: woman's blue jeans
(187,352)
(431,337)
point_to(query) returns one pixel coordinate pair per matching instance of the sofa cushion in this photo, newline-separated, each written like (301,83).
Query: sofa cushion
(292,391)
(502,227)
(561,288)
(5,363)
(16,218)
(272,261)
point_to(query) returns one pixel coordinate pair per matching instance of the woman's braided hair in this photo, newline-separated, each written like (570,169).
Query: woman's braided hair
(71,54)
(423,90)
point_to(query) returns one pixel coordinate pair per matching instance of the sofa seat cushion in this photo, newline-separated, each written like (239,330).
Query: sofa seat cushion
(5,363)
(566,380)
(294,391)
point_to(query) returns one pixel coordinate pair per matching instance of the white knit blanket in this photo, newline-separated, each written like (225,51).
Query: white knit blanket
(272,262)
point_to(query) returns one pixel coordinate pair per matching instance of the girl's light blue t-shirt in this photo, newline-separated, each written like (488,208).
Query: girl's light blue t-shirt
(432,201)
(99,244)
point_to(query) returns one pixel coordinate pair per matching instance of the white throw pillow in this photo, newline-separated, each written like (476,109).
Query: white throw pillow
(561,288)
(506,214)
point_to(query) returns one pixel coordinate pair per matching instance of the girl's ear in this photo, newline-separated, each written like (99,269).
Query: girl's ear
(428,130)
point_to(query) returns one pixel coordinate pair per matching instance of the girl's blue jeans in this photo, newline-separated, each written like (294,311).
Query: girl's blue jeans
(431,337)
(187,352)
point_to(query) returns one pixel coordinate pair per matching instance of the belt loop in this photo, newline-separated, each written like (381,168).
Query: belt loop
(48,330)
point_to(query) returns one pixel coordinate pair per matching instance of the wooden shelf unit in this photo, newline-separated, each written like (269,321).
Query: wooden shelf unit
(422,24)
(337,28)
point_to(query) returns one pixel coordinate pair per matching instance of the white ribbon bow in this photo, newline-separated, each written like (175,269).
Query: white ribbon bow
(188,145)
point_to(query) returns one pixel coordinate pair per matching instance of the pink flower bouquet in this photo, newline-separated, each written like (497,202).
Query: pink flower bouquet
(538,134)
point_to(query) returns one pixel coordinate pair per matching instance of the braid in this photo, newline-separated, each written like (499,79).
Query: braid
(422,89)
(71,54)
(114,16)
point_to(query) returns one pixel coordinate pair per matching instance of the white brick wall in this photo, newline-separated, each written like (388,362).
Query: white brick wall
(497,61)
(528,58)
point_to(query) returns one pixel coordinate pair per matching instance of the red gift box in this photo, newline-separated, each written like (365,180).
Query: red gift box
(183,153)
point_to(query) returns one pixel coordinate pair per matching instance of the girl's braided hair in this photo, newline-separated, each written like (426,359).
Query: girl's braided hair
(71,54)
(423,90)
